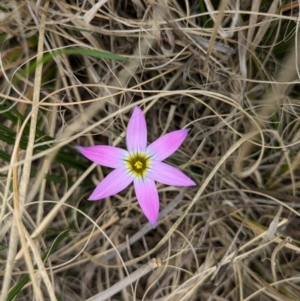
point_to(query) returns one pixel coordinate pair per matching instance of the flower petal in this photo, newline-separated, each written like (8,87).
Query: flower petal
(113,183)
(104,155)
(147,196)
(167,144)
(136,137)
(169,175)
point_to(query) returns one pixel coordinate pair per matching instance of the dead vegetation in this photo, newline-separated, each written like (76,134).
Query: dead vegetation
(72,71)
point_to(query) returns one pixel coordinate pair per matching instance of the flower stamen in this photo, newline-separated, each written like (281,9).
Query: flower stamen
(138,164)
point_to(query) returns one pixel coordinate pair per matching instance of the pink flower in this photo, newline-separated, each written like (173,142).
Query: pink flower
(140,164)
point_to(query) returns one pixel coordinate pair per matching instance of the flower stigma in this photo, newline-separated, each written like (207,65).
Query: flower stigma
(138,164)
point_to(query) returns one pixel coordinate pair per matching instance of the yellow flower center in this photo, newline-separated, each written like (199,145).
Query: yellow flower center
(138,164)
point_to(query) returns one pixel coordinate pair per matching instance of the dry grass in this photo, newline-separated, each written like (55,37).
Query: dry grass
(229,73)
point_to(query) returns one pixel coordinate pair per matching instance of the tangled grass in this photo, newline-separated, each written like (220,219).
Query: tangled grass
(71,73)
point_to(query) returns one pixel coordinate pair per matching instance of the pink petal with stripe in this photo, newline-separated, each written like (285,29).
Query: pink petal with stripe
(104,155)
(167,144)
(136,136)
(147,196)
(113,183)
(169,175)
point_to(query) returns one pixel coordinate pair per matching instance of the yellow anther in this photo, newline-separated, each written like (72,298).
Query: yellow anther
(138,164)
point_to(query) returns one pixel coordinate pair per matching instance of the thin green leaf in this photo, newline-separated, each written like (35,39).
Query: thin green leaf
(71,51)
